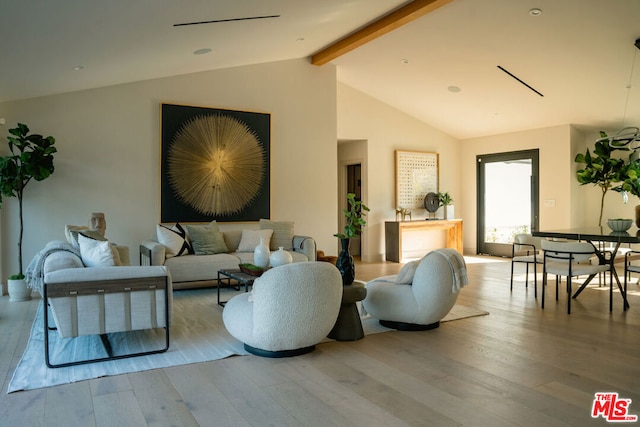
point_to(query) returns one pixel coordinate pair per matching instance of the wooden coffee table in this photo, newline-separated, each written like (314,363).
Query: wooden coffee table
(226,276)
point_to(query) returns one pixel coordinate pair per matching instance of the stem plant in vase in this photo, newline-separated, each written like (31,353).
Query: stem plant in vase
(354,222)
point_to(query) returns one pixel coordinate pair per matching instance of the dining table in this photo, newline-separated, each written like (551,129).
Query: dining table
(599,235)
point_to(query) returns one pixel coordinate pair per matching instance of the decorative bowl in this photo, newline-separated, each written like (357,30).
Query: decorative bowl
(619,224)
(252,270)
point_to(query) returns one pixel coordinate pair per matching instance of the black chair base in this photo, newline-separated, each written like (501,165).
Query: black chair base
(402,326)
(281,353)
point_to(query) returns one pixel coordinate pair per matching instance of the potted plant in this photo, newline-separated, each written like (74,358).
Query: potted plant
(631,184)
(445,202)
(601,169)
(31,158)
(354,222)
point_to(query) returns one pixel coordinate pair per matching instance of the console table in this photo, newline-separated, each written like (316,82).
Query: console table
(394,230)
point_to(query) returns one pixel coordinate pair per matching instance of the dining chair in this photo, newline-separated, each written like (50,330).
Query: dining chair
(526,249)
(629,267)
(571,259)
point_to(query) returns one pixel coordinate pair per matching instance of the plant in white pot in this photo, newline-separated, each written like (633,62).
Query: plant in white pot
(31,158)
(445,201)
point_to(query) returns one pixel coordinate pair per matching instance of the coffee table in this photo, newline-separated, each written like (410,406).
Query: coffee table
(227,275)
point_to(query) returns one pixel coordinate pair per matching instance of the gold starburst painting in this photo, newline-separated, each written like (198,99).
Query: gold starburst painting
(215,165)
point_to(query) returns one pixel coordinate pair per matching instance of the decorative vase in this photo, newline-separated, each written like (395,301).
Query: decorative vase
(280,257)
(261,254)
(638,216)
(18,290)
(345,263)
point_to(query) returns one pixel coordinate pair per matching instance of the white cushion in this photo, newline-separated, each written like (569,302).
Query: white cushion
(96,253)
(174,239)
(251,238)
(282,233)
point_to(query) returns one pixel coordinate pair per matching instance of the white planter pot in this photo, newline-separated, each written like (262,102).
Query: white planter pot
(18,290)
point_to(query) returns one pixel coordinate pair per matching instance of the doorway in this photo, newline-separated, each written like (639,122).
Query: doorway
(507,197)
(354,185)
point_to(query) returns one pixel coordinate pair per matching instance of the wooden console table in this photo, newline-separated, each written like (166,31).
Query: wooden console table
(394,230)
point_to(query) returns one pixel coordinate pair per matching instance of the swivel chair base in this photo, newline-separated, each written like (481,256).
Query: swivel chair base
(402,326)
(282,353)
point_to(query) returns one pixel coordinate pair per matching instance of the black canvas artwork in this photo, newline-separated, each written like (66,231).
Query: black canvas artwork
(215,164)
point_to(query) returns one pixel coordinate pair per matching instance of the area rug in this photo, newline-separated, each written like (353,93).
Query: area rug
(197,335)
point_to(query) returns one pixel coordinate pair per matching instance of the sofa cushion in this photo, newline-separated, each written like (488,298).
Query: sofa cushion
(192,268)
(97,253)
(251,238)
(282,233)
(206,240)
(174,239)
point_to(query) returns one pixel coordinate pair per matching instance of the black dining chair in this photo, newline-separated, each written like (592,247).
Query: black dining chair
(526,249)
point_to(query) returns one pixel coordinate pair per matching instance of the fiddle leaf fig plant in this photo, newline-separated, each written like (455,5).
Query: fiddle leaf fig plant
(31,158)
(353,215)
(601,169)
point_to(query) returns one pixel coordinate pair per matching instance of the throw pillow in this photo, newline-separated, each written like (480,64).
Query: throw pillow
(251,238)
(71,233)
(174,239)
(207,240)
(97,253)
(282,233)
(405,276)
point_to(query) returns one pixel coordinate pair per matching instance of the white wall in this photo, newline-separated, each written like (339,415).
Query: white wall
(386,129)
(108,159)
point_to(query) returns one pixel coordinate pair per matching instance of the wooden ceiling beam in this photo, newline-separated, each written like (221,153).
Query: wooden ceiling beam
(378,28)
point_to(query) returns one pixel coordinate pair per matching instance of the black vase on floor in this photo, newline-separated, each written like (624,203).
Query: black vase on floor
(345,263)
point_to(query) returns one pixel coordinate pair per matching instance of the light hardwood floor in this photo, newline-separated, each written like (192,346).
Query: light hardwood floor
(519,365)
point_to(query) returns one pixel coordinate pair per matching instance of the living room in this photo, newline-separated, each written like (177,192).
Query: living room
(108,160)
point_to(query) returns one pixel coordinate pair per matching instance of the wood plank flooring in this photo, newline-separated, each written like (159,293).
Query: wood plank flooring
(518,366)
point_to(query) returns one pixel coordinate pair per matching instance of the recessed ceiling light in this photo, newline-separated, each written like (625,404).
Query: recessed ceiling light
(202,51)
(404,61)
(535,12)
(78,68)
(454,89)
(300,39)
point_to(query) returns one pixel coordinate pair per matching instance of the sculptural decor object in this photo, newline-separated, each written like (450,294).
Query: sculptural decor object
(97,222)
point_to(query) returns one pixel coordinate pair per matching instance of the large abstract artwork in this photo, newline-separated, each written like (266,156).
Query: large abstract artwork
(416,175)
(215,164)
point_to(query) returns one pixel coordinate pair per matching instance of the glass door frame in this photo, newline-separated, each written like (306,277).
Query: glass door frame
(500,249)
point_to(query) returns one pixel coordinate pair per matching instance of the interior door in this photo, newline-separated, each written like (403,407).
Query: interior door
(507,197)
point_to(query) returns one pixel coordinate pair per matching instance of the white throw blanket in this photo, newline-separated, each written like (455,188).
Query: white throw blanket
(34,276)
(458,268)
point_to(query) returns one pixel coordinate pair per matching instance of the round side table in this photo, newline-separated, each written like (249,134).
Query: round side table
(348,326)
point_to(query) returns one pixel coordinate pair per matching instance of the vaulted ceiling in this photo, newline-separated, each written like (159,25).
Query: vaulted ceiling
(470,67)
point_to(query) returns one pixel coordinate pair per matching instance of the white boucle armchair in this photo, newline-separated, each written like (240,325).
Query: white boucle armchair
(291,308)
(421,294)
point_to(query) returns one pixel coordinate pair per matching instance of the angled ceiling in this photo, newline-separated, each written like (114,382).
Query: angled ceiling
(579,54)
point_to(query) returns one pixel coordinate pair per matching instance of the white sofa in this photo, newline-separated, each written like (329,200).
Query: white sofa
(193,271)
(291,309)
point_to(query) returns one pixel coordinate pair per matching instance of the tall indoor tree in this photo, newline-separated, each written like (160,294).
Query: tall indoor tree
(31,158)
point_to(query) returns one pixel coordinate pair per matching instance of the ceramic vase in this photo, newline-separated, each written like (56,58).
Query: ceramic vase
(261,254)
(280,257)
(18,290)
(345,263)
